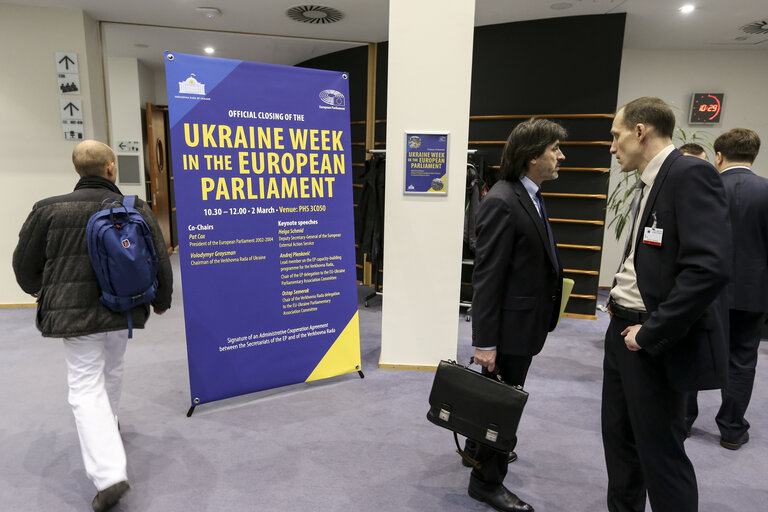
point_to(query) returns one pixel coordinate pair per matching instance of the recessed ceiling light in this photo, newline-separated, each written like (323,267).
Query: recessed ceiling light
(208,12)
(209,50)
(687,8)
(561,5)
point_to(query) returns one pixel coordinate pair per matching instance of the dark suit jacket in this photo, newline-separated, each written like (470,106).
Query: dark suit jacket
(517,285)
(682,282)
(748,200)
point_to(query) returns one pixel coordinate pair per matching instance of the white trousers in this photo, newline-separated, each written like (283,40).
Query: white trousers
(95,377)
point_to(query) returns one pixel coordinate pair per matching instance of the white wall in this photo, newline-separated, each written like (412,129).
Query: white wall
(430,60)
(161,88)
(125,101)
(146,85)
(35,161)
(674,76)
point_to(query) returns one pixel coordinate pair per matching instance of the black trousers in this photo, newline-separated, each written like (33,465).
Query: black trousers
(744,341)
(643,423)
(493,463)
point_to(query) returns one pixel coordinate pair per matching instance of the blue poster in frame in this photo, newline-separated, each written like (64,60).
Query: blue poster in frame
(263,187)
(426,163)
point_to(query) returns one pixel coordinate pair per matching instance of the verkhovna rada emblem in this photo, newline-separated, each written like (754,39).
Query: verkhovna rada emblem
(191,86)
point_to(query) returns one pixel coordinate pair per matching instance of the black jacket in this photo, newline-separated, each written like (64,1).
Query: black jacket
(748,203)
(369,225)
(51,260)
(682,281)
(517,285)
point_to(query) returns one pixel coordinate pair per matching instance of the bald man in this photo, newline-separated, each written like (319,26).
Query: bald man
(51,263)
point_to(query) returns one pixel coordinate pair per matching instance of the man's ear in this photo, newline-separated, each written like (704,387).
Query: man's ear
(641,131)
(112,171)
(718,159)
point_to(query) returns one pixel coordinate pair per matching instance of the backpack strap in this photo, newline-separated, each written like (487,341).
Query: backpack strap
(130,323)
(129,201)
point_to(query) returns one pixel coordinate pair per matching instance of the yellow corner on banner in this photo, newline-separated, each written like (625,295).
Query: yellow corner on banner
(344,354)
(442,190)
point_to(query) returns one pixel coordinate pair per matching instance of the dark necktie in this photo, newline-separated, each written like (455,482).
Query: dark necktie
(547,228)
(633,214)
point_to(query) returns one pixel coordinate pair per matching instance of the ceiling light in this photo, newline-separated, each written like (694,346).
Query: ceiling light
(208,12)
(687,8)
(209,50)
(561,5)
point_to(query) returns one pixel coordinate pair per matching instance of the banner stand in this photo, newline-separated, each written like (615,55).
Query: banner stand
(265,210)
(191,410)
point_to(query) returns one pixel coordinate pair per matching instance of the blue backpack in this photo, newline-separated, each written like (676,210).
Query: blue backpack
(123,256)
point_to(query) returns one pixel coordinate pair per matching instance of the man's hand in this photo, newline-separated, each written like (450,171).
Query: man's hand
(629,337)
(158,311)
(486,358)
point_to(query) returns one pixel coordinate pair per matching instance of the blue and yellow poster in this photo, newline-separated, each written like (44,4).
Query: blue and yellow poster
(426,163)
(263,184)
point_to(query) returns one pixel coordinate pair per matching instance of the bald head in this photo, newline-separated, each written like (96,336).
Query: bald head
(94,158)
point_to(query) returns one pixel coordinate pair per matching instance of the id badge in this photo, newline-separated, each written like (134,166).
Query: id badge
(652,236)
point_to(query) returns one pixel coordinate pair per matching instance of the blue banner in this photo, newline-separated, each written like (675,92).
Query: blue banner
(263,184)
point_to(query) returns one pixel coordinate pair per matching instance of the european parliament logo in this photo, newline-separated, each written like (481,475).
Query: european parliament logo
(333,98)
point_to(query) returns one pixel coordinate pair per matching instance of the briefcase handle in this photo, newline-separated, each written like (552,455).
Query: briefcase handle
(495,374)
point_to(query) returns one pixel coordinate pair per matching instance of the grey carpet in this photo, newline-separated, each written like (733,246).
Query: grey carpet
(342,444)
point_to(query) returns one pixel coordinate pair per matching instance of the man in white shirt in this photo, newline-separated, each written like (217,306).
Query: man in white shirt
(667,334)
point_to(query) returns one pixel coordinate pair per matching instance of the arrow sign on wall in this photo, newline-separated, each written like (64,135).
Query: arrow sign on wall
(71,109)
(66,61)
(71,106)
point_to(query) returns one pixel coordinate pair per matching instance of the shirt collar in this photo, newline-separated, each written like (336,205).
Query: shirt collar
(529,185)
(735,167)
(654,166)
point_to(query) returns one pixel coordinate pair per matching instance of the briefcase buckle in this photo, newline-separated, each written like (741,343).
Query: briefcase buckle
(445,414)
(492,435)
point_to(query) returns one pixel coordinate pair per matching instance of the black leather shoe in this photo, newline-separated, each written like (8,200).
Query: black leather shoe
(735,445)
(500,499)
(109,497)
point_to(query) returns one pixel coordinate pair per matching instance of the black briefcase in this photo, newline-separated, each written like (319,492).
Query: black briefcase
(478,407)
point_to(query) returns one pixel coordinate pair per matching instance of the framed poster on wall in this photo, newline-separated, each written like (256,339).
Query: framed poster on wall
(426,163)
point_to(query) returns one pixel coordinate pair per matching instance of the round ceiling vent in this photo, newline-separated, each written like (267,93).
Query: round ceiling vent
(756,27)
(314,14)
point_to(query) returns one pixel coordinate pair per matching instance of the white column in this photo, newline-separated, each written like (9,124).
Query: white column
(429,73)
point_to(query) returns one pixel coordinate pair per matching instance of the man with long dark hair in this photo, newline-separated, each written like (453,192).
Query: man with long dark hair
(517,281)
